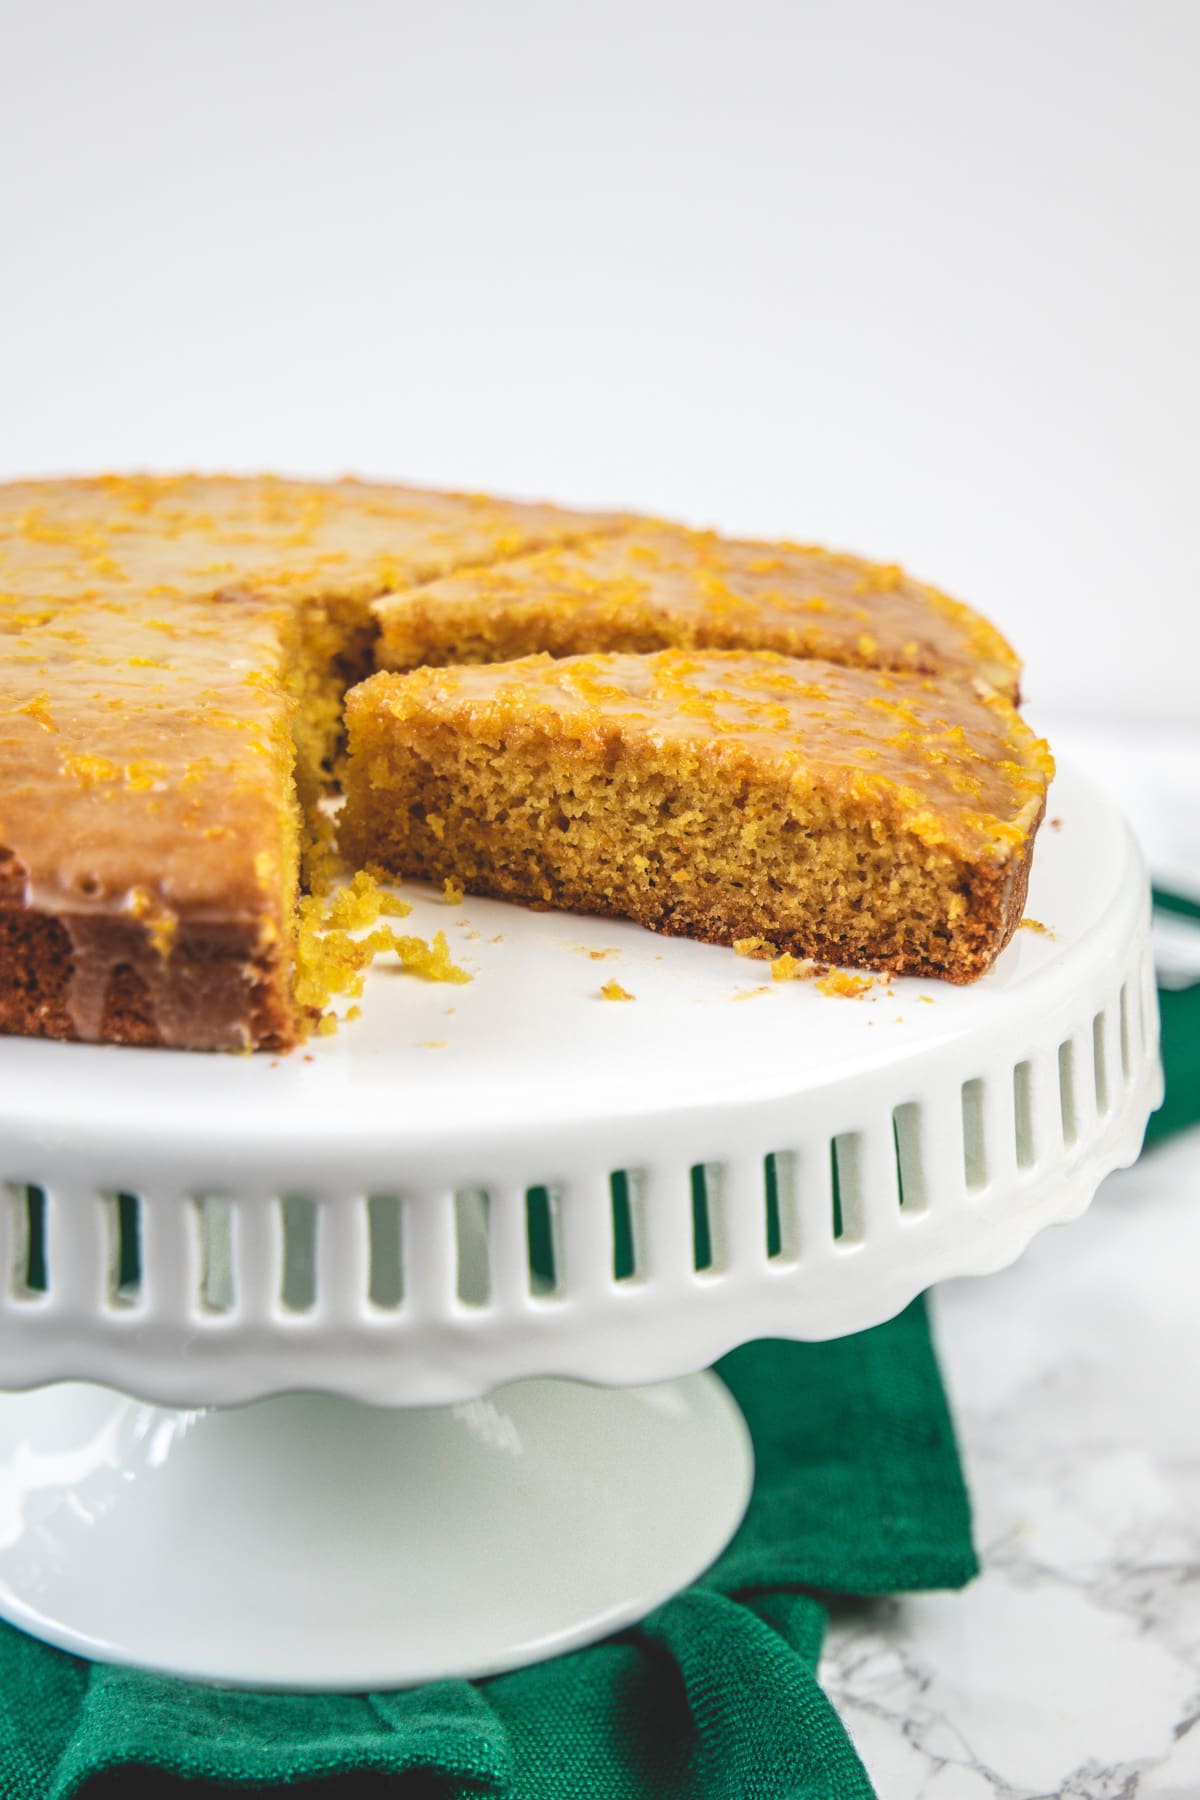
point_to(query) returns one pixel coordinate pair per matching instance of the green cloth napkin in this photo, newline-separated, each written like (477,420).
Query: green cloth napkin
(1180,1011)
(714,1697)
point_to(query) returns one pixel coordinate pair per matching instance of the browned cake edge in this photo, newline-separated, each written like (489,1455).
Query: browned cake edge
(223,963)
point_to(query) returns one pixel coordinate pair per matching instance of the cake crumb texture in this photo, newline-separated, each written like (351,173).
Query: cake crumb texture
(855,817)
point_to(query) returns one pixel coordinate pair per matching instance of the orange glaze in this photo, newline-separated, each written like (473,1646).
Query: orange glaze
(654,586)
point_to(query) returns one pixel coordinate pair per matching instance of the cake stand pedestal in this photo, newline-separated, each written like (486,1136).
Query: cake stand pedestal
(308,1541)
(413,1317)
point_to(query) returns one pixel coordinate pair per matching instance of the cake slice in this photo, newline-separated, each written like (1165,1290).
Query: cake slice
(856,816)
(654,587)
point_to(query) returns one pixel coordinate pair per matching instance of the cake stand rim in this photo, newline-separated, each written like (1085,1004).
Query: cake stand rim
(63,1105)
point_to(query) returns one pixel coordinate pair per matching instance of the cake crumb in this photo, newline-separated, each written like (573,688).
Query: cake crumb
(927,999)
(600,955)
(1036,925)
(749,993)
(352,1013)
(846,986)
(792,968)
(612,990)
(327,1024)
(762,949)
(432,1044)
(433,961)
(452,891)
(330,961)
(361,903)
(1056,824)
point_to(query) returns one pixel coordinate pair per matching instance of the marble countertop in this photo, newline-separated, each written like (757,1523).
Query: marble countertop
(1071,1667)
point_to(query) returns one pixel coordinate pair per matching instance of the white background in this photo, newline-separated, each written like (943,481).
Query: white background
(921,279)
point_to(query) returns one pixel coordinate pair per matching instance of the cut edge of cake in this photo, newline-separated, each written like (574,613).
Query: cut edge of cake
(564,784)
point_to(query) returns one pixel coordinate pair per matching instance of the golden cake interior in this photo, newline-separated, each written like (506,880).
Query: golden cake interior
(852,815)
(176,655)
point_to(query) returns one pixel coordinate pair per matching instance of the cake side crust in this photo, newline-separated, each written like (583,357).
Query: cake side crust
(221,988)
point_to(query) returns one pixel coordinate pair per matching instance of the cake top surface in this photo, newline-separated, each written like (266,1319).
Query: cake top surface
(950,763)
(144,756)
(145,625)
(704,589)
(154,538)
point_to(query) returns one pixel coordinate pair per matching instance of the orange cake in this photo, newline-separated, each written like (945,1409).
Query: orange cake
(656,587)
(863,817)
(175,656)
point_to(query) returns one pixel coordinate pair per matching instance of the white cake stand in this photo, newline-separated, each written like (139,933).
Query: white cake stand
(390,1241)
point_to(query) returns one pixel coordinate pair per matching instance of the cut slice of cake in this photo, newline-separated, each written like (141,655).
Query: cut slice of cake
(859,817)
(654,587)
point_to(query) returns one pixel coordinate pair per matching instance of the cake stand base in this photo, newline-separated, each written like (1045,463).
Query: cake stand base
(308,1542)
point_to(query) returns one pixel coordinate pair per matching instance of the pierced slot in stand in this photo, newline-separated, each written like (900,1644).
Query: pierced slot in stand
(542,1237)
(705,1180)
(975,1162)
(910,1174)
(217,1281)
(848,1199)
(1067,1096)
(626,1255)
(471,1233)
(385,1238)
(27,1224)
(125,1237)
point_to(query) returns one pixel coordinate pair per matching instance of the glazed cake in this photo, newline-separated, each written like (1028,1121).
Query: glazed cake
(175,656)
(856,816)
